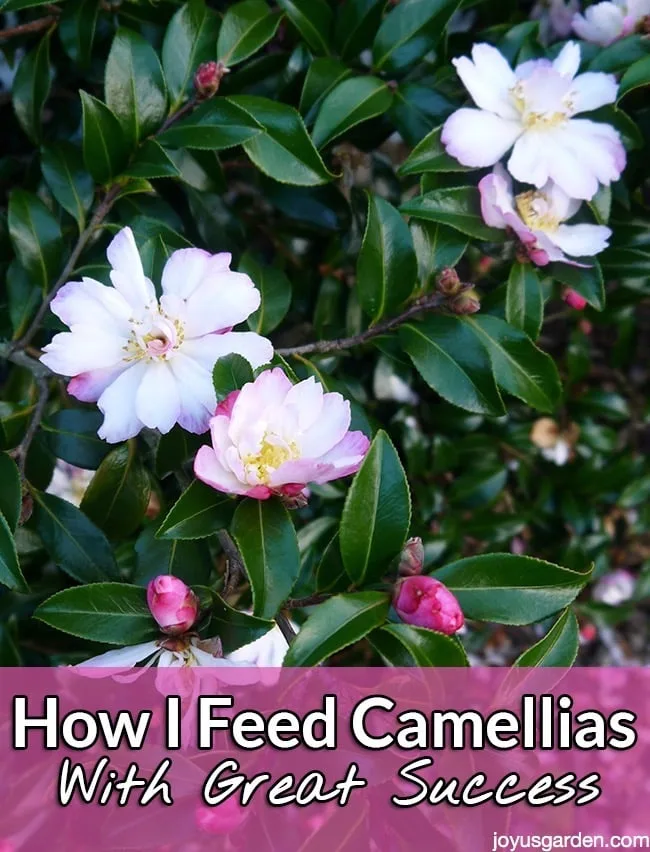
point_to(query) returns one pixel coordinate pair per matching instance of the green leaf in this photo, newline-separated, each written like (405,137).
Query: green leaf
(150,162)
(199,512)
(246,27)
(636,76)
(24,297)
(357,21)
(190,561)
(458,207)
(323,75)
(275,288)
(31,88)
(214,126)
(234,627)
(634,493)
(330,574)
(377,513)
(429,155)
(416,110)
(453,362)
(189,40)
(75,544)
(113,613)
(348,104)
(268,545)
(230,373)
(511,589)
(436,247)
(312,19)
(524,299)
(520,368)
(404,645)
(620,55)
(625,263)
(134,85)
(36,237)
(104,145)
(335,624)
(409,31)
(118,494)
(64,172)
(76,30)
(284,150)
(10,573)
(10,491)
(386,266)
(559,648)
(71,435)
(588,281)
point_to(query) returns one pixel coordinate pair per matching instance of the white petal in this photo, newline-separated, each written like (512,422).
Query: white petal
(477,138)
(197,397)
(88,387)
(582,240)
(567,61)
(207,350)
(88,302)
(157,402)
(307,399)
(601,23)
(128,274)
(593,90)
(209,469)
(268,650)
(117,404)
(528,161)
(221,301)
(184,271)
(488,79)
(121,658)
(82,350)
(496,197)
(329,429)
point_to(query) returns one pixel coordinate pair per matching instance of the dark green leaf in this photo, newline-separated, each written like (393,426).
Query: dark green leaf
(357,21)
(74,543)
(76,30)
(246,27)
(588,281)
(624,263)
(36,237)
(404,645)
(429,155)
(409,31)
(524,299)
(10,491)
(267,542)
(636,76)
(24,297)
(63,169)
(416,110)
(190,561)
(559,648)
(113,613)
(10,573)
(234,627)
(150,162)
(199,512)
(104,145)
(458,207)
(214,126)
(324,74)
(436,247)
(275,288)
(71,435)
(330,574)
(377,513)
(313,20)
(189,41)
(230,373)
(620,55)
(348,104)
(118,494)
(335,624)
(31,87)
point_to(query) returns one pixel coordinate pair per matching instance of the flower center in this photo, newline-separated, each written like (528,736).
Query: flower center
(535,209)
(273,452)
(155,338)
(543,99)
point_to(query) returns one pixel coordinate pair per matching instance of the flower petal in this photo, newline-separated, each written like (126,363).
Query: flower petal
(221,301)
(120,658)
(88,387)
(128,275)
(269,650)
(488,79)
(184,271)
(208,469)
(84,349)
(117,404)
(496,197)
(157,402)
(567,61)
(306,398)
(528,161)
(207,350)
(88,302)
(477,138)
(582,240)
(593,90)
(197,397)
(329,429)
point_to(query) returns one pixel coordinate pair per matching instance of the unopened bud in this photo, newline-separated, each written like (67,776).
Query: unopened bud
(173,604)
(425,602)
(207,79)
(448,282)
(411,559)
(466,303)
(574,300)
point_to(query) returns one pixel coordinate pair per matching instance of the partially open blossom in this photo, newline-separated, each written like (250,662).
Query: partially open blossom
(425,602)
(537,217)
(174,605)
(615,588)
(222,818)
(411,560)
(273,437)
(605,23)
(574,300)
(147,362)
(533,108)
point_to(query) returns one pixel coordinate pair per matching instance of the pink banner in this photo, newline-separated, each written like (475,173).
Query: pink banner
(263,759)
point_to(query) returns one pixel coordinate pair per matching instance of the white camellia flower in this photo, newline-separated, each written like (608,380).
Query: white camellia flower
(605,23)
(148,362)
(537,218)
(531,110)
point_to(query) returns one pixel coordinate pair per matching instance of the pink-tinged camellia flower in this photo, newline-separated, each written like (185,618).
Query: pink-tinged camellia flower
(147,362)
(537,218)
(273,437)
(533,108)
(605,23)
(425,602)
(174,605)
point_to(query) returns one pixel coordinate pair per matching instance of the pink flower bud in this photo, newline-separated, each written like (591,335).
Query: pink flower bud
(222,818)
(412,558)
(574,300)
(448,281)
(207,79)
(465,303)
(424,602)
(173,604)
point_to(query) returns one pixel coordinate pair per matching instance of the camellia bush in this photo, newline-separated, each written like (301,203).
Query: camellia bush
(323,332)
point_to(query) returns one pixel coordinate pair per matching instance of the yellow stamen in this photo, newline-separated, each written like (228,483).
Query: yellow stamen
(534,208)
(269,459)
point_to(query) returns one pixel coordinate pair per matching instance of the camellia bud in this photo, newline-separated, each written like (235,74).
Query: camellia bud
(574,300)
(411,560)
(425,602)
(207,79)
(173,604)
(448,282)
(466,303)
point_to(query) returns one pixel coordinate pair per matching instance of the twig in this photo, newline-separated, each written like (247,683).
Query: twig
(30,27)
(235,571)
(187,107)
(282,620)
(35,420)
(312,600)
(428,303)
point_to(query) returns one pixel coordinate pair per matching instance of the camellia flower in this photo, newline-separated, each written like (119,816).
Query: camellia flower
(174,605)
(532,108)
(148,362)
(537,218)
(425,602)
(604,23)
(273,437)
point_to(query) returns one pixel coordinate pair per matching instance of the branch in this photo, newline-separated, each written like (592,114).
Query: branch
(285,626)
(236,570)
(34,423)
(30,27)
(428,303)
(312,600)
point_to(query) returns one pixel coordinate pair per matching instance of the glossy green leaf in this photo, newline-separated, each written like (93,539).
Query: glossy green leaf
(190,561)
(268,545)
(24,297)
(151,161)
(104,145)
(524,299)
(10,491)
(452,361)
(511,589)
(230,373)
(429,155)
(623,263)
(189,40)
(75,544)
(386,266)
(77,26)
(113,613)
(275,289)
(588,281)
(357,21)
(330,574)
(71,435)
(234,627)
(214,126)
(634,493)
(335,624)
(64,172)
(246,27)
(118,494)
(405,645)
(459,207)
(409,31)
(416,110)
(199,512)
(377,513)
(559,648)
(323,75)
(10,573)
(36,237)
(31,87)
(436,247)
(636,76)
(348,104)
(312,19)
